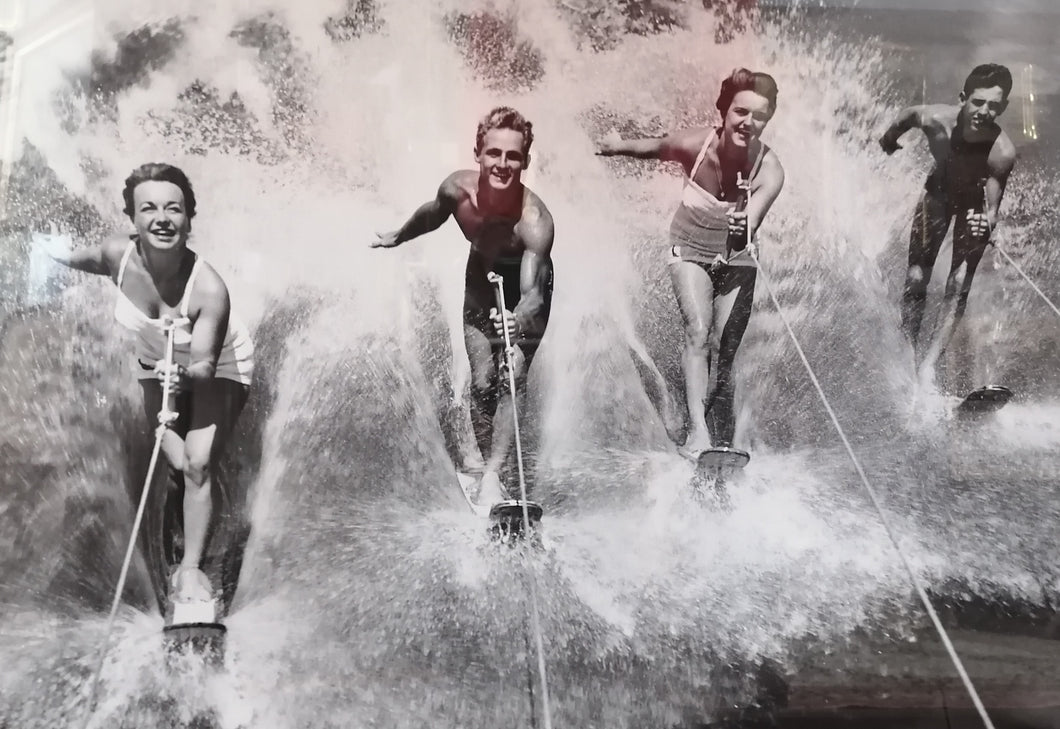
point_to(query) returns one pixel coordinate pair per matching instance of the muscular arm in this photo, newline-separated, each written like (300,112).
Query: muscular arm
(909,118)
(210,327)
(1001,161)
(432,214)
(535,273)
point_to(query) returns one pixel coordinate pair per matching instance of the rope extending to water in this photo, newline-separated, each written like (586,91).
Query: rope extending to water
(535,617)
(165,418)
(1021,272)
(921,592)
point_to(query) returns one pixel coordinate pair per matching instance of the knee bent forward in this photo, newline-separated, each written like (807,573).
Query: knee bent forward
(196,469)
(698,336)
(916,279)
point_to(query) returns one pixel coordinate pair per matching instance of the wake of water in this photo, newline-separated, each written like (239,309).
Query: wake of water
(366,590)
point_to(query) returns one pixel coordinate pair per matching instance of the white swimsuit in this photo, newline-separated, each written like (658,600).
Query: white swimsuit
(236,361)
(699,230)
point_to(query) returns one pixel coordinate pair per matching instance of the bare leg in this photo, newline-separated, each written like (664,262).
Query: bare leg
(484,410)
(503,420)
(482,401)
(695,297)
(732,312)
(215,405)
(930,222)
(658,392)
(172,440)
(966,256)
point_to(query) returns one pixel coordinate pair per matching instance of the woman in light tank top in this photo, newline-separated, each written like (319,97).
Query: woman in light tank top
(712,271)
(160,279)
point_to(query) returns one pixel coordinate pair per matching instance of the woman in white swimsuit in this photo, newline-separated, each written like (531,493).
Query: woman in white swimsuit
(161,281)
(712,272)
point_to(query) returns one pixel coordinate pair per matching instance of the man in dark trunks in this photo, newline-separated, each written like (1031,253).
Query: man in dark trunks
(510,231)
(973,159)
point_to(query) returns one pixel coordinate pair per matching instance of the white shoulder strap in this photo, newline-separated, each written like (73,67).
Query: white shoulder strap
(124,262)
(186,299)
(702,154)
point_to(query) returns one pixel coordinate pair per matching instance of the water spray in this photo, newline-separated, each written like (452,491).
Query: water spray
(1021,272)
(1019,269)
(498,281)
(920,590)
(166,417)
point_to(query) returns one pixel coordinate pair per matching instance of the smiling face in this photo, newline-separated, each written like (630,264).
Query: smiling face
(159,215)
(746,118)
(502,159)
(981,108)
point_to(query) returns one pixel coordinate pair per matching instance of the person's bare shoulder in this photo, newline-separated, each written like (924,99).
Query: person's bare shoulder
(684,145)
(938,116)
(458,186)
(772,170)
(210,292)
(113,249)
(536,227)
(1003,154)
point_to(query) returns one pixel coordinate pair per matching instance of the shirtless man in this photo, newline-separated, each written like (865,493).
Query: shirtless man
(973,159)
(510,231)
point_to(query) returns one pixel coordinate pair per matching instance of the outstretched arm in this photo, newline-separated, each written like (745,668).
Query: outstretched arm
(909,118)
(671,148)
(99,259)
(427,217)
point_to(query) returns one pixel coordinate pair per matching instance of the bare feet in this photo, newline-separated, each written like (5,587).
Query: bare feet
(925,377)
(472,463)
(190,584)
(673,424)
(695,444)
(490,489)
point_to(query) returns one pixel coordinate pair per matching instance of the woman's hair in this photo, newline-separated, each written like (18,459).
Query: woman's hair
(505,117)
(743,80)
(159,172)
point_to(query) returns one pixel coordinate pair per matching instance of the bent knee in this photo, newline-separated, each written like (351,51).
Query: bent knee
(482,381)
(959,281)
(698,336)
(196,468)
(916,278)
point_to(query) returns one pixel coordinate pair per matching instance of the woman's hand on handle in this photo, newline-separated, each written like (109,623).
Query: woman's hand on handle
(178,378)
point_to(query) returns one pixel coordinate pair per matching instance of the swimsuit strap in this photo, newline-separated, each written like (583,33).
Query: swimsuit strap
(186,298)
(702,154)
(124,263)
(762,149)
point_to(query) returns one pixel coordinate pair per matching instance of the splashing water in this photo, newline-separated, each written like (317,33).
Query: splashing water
(367,591)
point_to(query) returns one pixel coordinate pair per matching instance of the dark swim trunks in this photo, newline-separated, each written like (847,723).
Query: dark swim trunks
(960,180)
(480,296)
(958,185)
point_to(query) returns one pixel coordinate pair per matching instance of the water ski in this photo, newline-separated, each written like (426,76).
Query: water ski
(193,628)
(985,400)
(720,462)
(201,639)
(507,521)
